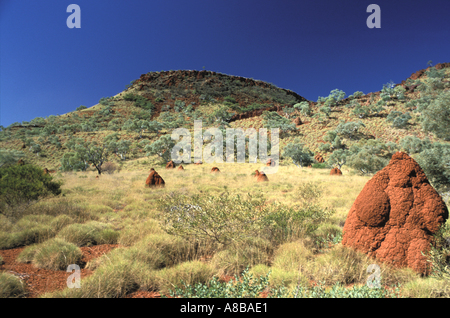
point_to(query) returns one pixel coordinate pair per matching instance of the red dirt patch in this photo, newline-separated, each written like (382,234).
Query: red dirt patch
(39,281)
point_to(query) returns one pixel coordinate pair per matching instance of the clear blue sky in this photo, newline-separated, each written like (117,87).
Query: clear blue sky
(310,47)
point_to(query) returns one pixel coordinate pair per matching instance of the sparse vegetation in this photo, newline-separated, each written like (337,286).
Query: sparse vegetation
(286,232)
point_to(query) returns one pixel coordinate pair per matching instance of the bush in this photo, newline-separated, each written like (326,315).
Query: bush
(11,286)
(398,119)
(298,153)
(225,218)
(25,184)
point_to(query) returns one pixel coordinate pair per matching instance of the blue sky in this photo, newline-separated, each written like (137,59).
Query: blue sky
(310,47)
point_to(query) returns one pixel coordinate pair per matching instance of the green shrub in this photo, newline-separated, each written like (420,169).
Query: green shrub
(25,183)
(340,291)
(11,286)
(224,218)
(245,286)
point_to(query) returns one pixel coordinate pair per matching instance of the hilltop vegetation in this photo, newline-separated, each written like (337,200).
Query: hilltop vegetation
(343,129)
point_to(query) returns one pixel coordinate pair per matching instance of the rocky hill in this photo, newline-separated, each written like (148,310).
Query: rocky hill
(173,99)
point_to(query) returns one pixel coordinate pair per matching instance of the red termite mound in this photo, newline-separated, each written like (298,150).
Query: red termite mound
(336,172)
(215,169)
(154,180)
(319,158)
(170,165)
(395,215)
(262,177)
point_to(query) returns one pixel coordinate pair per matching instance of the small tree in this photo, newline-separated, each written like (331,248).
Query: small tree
(298,153)
(338,158)
(304,108)
(162,147)
(349,129)
(436,116)
(274,120)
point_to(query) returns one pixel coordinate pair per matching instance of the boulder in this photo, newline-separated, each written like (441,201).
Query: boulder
(215,169)
(154,180)
(319,158)
(395,215)
(262,177)
(170,165)
(336,172)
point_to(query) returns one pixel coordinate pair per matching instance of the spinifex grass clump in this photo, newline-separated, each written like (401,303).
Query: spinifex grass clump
(11,286)
(54,254)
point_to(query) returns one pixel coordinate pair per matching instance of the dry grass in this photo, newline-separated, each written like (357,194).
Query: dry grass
(150,259)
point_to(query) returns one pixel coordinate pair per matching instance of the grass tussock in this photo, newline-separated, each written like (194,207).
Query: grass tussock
(90,233)
(11,286)
(54,254)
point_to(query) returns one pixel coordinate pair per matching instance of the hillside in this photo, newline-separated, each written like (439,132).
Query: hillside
(176,98)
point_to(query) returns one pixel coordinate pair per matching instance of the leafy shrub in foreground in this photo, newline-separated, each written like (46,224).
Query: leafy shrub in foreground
(248,286)
(25,183)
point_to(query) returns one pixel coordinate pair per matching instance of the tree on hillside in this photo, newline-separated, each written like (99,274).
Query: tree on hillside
(274,120)
(304,108)
(88,153)
(370,156)
(338,158)
(333,98)
(162,147)
(299,154)
(435,162)
(398,119)
(435,117)
(413,145)
(349,129)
